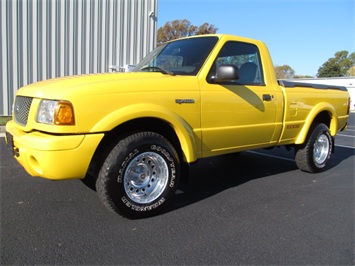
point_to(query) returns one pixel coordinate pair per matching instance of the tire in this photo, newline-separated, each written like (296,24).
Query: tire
(314,154)
(140,175)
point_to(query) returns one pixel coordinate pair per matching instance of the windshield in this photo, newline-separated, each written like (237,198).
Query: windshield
(181,57)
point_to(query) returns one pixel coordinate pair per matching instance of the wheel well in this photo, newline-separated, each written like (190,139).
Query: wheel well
(323,117)
(137,125)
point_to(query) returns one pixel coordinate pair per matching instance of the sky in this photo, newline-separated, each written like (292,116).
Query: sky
(303,34)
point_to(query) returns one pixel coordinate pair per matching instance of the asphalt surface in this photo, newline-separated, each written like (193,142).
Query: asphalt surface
(251,208)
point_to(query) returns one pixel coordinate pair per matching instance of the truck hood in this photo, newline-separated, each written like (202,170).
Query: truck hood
(62,88)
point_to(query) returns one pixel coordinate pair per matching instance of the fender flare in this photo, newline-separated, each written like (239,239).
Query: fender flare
(182,129)
(319,108)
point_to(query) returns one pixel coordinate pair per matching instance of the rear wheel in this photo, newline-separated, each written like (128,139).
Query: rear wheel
(139,176)
(314,154)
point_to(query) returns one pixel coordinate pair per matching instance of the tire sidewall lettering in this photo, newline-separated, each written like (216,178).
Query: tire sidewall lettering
(129,155)
(171,163)
(123,168)
(142,208)
(121,171)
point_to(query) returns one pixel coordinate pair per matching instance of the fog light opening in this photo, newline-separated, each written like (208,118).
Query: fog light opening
(35,165)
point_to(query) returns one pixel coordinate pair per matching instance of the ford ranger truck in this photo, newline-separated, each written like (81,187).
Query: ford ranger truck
(133,135)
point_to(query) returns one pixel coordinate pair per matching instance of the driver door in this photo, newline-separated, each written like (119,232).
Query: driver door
(240,113)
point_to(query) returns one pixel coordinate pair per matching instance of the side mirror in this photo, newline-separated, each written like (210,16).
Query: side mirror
(225,73)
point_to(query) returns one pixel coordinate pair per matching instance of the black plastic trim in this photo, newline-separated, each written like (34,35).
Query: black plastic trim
(293,84)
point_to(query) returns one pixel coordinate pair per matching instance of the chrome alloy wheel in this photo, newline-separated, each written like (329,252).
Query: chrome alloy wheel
(321,149)
(146,177)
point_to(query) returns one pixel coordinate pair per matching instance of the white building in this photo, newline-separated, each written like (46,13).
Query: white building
(42,39)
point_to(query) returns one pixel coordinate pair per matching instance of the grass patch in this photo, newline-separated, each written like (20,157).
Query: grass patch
(4,119)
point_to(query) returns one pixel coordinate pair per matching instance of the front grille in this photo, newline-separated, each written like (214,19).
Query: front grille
(22,108)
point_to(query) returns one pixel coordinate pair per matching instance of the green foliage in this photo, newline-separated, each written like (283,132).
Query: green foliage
(4,120)
(303,77)
(206,28)
(284,72)
(351,72)
(182,28)
(337,66)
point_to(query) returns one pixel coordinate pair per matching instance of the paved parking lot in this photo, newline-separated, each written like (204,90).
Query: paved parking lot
(251,208)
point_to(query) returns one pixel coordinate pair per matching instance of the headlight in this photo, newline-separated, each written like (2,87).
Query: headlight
(55,113)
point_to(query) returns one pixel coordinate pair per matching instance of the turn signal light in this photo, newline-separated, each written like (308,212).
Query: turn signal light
(64,114)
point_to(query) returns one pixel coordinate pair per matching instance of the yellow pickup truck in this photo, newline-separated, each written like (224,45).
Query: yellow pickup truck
(134,134)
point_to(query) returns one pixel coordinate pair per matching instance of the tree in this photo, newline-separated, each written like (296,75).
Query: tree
(302,77)
(284,72)
(351,72)
(337,66)
(182,28)
(206,28)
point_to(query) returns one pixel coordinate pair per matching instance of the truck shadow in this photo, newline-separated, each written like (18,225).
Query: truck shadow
(214,175)
(340,154)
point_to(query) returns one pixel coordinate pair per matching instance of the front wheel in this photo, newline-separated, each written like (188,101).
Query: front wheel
(314,154)
(139,176)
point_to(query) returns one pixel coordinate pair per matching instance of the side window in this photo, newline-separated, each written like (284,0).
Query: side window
(246,58)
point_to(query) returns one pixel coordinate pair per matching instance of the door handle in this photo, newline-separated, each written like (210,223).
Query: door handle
(267,97)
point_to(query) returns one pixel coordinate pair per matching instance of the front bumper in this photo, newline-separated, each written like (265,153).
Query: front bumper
(52,156)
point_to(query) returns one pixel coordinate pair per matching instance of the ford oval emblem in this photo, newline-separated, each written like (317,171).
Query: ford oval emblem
(17,109)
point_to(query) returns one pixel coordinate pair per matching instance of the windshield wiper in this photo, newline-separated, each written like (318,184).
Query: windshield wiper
(158,69)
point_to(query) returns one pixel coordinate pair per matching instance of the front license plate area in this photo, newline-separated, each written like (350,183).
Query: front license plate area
(10,143)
